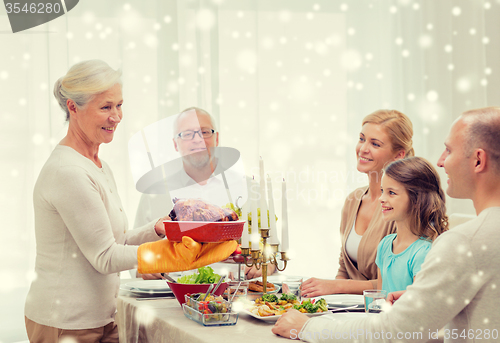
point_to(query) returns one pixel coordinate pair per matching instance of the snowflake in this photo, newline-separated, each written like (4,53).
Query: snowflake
(463,85)
(148,257)
(405,53)
(145,315)
(88,17)
(448,48)
(416,6)
(205,19)
(344,7)
(472,31)
(487,71)
(425,41)
(450,300)
(432,96)
(456,11)
(4,75)
(167,19)
(351,60)
(486,40)
(451,67)
(22,102)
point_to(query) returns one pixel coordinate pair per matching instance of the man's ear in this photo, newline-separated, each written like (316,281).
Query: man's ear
(175,144)
(216,139)
(401,154)
(480,160)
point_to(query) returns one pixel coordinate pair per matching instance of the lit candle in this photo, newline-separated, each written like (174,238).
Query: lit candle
(272,216)
(284,219)
(255,237)
(245,238)
(263,205)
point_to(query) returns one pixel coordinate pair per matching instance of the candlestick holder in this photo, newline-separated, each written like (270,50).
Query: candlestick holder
(261,257)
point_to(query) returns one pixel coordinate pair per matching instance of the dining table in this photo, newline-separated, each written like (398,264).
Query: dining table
(160,318)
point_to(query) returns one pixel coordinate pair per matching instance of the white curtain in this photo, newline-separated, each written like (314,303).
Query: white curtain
(286,80)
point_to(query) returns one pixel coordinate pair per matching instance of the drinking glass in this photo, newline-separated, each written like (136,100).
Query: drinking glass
(374,299)
(292,287)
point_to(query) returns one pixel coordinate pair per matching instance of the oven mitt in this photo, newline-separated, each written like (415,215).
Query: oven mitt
(164,256)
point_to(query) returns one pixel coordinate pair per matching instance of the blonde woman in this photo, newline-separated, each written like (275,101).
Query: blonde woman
(385,136)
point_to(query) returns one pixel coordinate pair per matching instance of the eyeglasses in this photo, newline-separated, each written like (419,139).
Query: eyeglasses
(189,135)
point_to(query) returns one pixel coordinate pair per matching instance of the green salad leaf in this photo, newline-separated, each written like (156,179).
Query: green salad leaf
(204,275)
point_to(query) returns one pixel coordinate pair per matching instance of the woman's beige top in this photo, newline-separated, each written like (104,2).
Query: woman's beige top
(365,269)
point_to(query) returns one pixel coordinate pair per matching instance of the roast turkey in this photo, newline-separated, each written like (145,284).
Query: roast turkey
(199,210)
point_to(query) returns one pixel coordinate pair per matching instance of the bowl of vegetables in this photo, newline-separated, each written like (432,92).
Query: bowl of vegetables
(196,283)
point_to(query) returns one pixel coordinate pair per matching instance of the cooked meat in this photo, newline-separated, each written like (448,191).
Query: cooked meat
(198,210)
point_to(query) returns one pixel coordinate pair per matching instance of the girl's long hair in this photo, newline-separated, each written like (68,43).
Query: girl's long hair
(427,208)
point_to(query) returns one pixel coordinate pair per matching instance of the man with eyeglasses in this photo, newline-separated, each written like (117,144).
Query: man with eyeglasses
(196,138)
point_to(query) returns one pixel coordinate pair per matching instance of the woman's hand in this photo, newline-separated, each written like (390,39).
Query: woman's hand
(159,227)
(314,287)
(290,324)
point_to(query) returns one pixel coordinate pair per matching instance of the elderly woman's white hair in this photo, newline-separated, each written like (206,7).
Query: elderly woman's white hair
(83,81)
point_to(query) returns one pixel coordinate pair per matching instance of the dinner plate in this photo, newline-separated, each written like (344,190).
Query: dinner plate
(255,295)
(343,300)
(147,287)
(272,319)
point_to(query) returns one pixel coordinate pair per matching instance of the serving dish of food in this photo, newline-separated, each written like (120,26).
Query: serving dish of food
(209,311)
(256,289)
(202,221)
(270,307)
(198,282)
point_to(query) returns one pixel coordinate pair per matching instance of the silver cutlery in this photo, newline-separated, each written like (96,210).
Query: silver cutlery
(345,308)
(218,284)
(208,291)
(168,277)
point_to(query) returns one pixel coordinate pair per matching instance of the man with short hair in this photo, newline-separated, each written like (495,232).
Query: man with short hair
(203,174)
(458,285)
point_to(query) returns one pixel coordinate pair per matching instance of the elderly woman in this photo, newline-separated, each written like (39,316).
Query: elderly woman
(80,226)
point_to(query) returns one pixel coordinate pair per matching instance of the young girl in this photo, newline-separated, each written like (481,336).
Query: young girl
(411,197)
